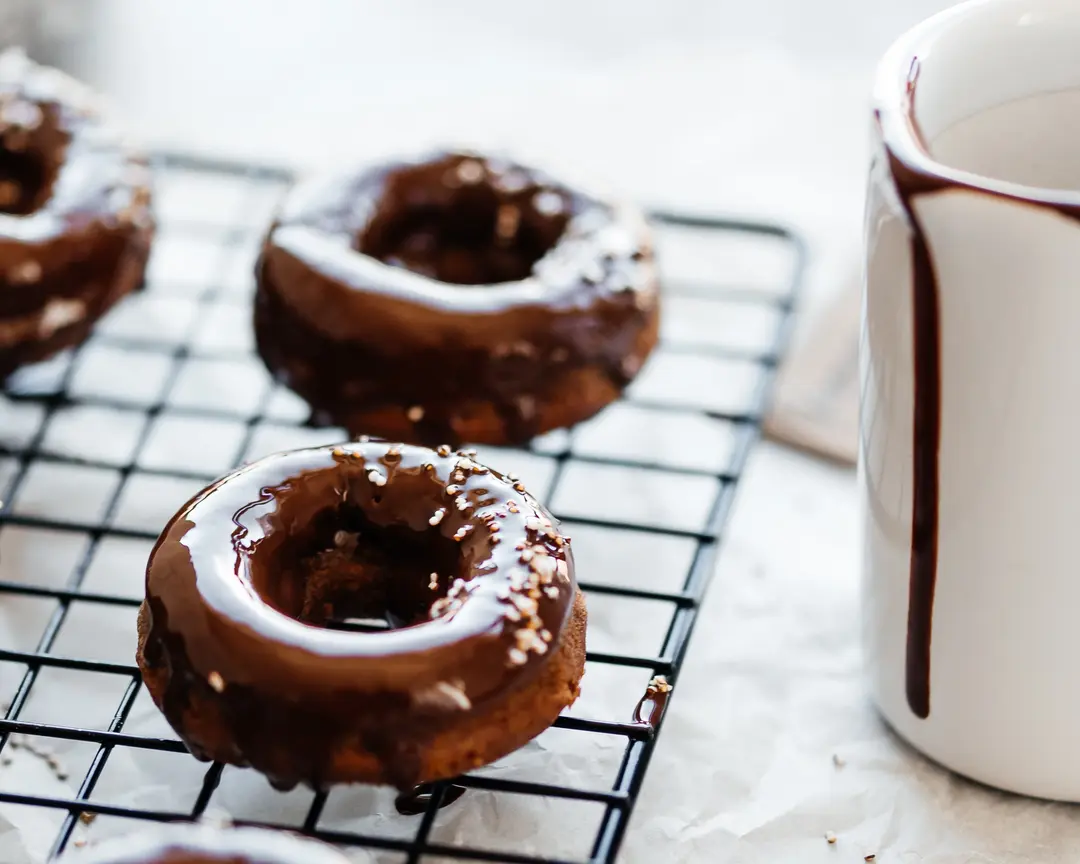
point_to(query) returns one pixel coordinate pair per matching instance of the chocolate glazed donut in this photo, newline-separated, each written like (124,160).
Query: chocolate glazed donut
(204,844)
(246,581)
(455,298)
(75,224)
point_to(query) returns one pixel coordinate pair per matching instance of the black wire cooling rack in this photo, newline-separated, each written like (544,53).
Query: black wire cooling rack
(99,447)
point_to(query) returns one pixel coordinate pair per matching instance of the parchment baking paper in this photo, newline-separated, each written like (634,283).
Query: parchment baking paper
(769,750)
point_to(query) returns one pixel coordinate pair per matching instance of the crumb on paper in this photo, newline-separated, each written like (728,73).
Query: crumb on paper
(870,857)
(838,760)
(86,817)
(830,837)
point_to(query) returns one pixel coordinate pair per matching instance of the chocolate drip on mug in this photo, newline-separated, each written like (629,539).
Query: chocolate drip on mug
(926,423)
(926,446)
(914,173)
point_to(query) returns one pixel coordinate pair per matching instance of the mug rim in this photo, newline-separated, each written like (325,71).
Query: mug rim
(893,97)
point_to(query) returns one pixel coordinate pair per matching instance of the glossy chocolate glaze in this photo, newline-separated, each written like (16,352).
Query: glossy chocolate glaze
(416,801)
(203,844)
(450,282)
(651,706)
(75,225)
(229,582)
(914,173)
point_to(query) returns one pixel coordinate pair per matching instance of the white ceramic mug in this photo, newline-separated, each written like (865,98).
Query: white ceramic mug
(970,365)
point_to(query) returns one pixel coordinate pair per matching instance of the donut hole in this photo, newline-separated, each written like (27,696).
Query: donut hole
(460,221)
(26,180)
(32,148)
(346,572)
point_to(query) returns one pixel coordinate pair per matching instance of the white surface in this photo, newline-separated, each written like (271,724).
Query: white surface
(1003,708)
(744,106)
(750,107)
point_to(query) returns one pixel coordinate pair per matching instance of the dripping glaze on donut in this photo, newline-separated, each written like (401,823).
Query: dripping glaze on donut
(455,297)
(247,581)
(207,844)
(75,222)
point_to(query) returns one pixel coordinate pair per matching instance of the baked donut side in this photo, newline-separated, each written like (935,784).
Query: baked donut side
(206,844)
(243,586)
(455,297)
(75,221)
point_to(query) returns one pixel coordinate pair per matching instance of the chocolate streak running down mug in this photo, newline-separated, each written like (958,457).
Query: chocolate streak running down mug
(970,373)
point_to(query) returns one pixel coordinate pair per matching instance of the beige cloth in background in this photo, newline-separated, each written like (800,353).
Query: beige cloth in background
(816,402)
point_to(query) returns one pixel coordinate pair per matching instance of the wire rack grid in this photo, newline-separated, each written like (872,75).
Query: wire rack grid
(99,446)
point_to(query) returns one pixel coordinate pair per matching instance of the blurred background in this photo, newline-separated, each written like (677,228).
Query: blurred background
(721,105)
(757,109)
